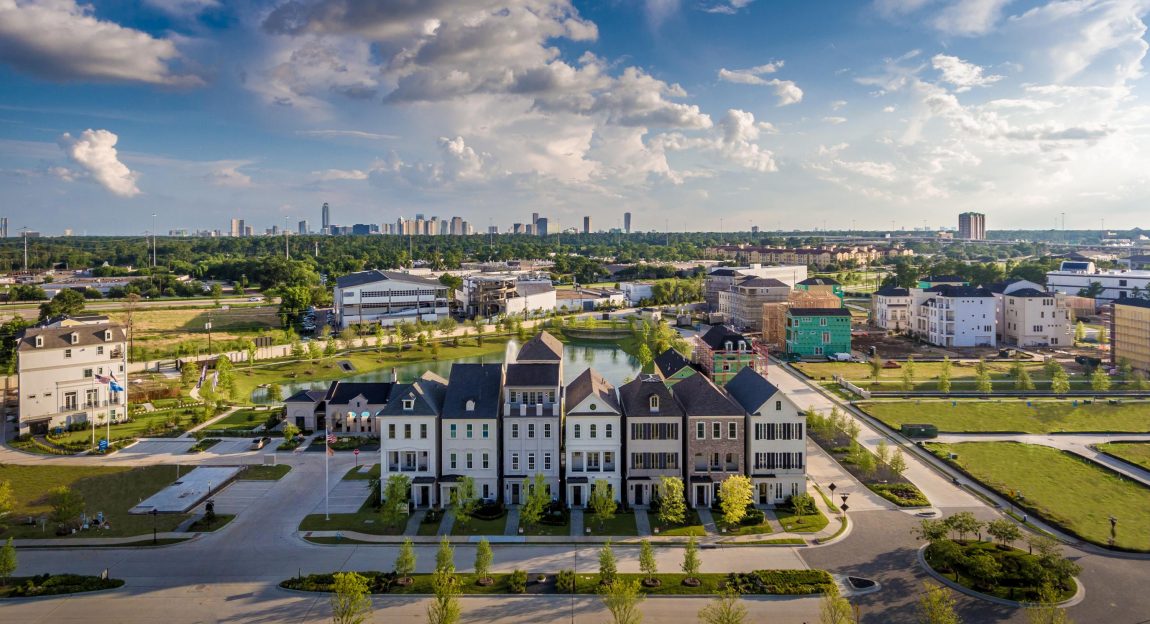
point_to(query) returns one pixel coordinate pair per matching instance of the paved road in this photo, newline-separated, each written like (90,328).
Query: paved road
(33,312)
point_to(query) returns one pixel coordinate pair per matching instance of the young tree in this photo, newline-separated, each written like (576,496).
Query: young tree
(1141,383)
(864,460)
(603,502)
(464,500)
(897,463)
(736,493)
(394,498)
(1099,380)
(1023,381)
(622,601)
(350,598)
(314,351)
(290,431)
(647,560)
(644,356)
(7,502)
(875,367)
(931,531)
(330,348)
(608,568)
(673,504)
(982,380)
(1103,335)
(1003,530)
(250,348)
(727,608)
(405,560)
(444,607)
(8,561)
(691,558)
(275,393)
(836,610)
(963,523)
(1051,367)
(908,374)
(66,504)
(225,378)
(189,375)
(1060,382)
(936,605)
(535,501)
(483,559)
(1079,332)
(983,568)
(944,377)
(803,504)
(1045,610)
(882,452)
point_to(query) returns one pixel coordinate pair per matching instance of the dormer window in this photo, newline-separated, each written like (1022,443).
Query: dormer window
(39,341)
(730,345)
(653,403)
(74,337)
(107,335)
(408,405)
(469,406)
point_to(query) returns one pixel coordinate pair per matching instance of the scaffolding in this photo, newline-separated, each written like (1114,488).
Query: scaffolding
(775,315)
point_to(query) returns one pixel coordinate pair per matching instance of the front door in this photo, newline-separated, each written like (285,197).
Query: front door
(514,493)
(764,493)
(424,496)
(638,493)
(700,496)
(320,422)
(576,496)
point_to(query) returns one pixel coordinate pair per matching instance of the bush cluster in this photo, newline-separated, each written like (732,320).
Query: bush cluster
(517,582)
(52,585)
(782,582)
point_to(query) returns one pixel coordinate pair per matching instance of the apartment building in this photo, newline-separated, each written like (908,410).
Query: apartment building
(890,308)
(594,438)
(1130,333)
(654,447)
(955,316)
(817,332)
(776,446)
(724,279)
(743,304)
(1027,315)
(532,416)
(387,298)
(715,426)
(469,429)
(1073,277)
(60,365)
(409,435)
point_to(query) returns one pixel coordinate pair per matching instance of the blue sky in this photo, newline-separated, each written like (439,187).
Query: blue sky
(691,114)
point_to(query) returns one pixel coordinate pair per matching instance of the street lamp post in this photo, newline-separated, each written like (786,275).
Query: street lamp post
(155,512)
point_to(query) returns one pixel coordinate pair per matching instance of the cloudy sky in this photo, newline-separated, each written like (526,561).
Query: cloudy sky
(691,114)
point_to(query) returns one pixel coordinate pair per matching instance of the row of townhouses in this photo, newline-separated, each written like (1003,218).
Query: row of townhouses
(503,423)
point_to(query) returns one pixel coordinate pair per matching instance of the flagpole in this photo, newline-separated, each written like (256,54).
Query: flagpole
(326,461)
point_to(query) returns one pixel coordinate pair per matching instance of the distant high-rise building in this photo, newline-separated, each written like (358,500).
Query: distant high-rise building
(325,223)
(237,228)
(248,230)
(754,229)
(586,225)
(517,228)
(534,218)
(67,231)
(972,226)
(541,226)
(456,226)
(493,229)
(303,227)
(627,222)
(3,227)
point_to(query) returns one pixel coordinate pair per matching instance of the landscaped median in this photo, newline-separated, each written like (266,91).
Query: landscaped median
(54,585)
(1137,453)
(1014,415)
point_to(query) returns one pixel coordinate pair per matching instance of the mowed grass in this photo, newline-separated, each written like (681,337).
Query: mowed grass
(366,520)
(480,527)
(806,523)
(1137,453)
(140,423)
(1013,415)
(691,526)
(110,489)
(622,524)
(263,472)
(243,419)
(962,375)
(353,473)
(1062,488)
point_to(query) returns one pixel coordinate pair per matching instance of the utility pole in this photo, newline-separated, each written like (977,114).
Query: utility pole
(24,232)
(153,240)
(287,251)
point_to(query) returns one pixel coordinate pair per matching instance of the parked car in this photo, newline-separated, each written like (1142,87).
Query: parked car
(839,357)
(259,443)
(254,299)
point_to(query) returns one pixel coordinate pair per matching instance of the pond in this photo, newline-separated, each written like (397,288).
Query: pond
(614,364)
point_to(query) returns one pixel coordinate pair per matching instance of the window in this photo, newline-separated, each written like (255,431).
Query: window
(422,431)
(700,431)
(717,431)
(577,429)
(69,400)
(454,461)
(512,396)
(547,461)
(454,429)
(530,431)
(470,431)
(826,337)
(778,406)
(87,373)
(67,354)
(607,433)
(486,460)
(100,350)
(547,430)
(530,461)
(515,431)
(486,431)
(593,431)
(407,431)
(515,461)
(408,405)
(823,322)
(732,431)
(391,431)
(469,460)
(469,406)
(653,403)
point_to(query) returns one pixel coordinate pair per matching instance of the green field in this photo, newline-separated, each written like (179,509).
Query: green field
(1137,453)
(962,375)
(140,423)
(362,521)
(1047,416)
(353,473)
(1061,488)
(480,527)
(807,523)
(264,473)
(112,490)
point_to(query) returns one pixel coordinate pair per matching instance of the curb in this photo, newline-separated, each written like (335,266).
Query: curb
(1078,596)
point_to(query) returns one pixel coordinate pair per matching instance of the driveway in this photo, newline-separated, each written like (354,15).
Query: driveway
(240,496)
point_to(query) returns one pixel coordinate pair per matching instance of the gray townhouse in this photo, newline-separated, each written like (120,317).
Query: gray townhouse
(715,437)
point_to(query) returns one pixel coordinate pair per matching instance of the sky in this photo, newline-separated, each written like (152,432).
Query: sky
(693,115)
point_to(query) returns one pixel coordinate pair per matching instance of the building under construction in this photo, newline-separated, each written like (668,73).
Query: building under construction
(775,315)
(722,352)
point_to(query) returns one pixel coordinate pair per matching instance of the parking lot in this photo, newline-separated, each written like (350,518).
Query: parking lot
(240,496)
(346,497)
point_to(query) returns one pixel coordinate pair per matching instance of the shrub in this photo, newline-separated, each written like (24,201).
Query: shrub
(565,581)
(517,582)
(901,494)
(490,511)
(434,516)
(753,517)
(782,582)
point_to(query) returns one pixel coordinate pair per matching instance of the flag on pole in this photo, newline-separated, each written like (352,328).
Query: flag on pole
(330,441)
(111,381)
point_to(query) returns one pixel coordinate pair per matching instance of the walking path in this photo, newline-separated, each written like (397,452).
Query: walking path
(708,521)
(448,523)
(642,522)
(576,522)
(413,522)
(512,526)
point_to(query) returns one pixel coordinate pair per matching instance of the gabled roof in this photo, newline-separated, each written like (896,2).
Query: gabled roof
(724,272)
(763,282)
(375,392)
(700,396)
(892,291)
(819,281)
(942,278)
(750,389)
(473,382)
(635,397)
(1028,292)
(590,382)
(61,337)
(532,375)
(542,348)
(717,337)
(375,275)
(952,291)
(306,396)
(670,362)
(427,393)
(818,312)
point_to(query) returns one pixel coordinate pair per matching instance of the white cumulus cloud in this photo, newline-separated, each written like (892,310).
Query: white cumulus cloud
(963,75)
(329,175)
(95,152)
(786,91)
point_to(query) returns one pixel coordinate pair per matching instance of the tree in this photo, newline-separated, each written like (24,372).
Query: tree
(66,504)
(948,555)
(1060,382)
(67,302)
(275,393)
(464,500)
(1043,611)
(1103,335)
(727,608)
(936,605)
(897,463)
(691,558)
(290,431)
(982,380)
(7,560)
(1022,381)
(963,523)
(394,499)
(983,568)
(647,560)
(314,351)
(1099,380)
(225,378)
(864,461)
(622,600)
(329,347)
(644,356)
(350,598)
(603,502)
(444,607)
(672,504)
(1003,530)
(944,376)
(608,569)
(1079,332)
(836,610)
(735,494)
(1141,383)
(405,561)
(882,452)
(535,500)
(875,367)
(250,348)
(931,531)
(7,501)
(483,559)
(189,375)
(908,374)
(803,504)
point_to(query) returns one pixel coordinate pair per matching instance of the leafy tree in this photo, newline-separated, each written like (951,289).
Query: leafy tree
(622,600)
(1023,381)
(644,356)
(982,379)
(405,561)
(963,523)
(189,375)
(535,501)
(1003,530)
(225,378)
(464,500)
(1099,380)
(836,610)
(1141,383)
(350,598)
(290,431)
(217,292)
(1103,335)
(608,569)
(8,561)
(7,501)
(727,608)
(66,504)
(314,351)
(875,367)
(908,374)
(394,499)
(483,559)
(647,559)
(944,376)
(864,461)
(735,493)
(983,568)
(603,502)
(297,350)
(936,605)
(67,302)
(882,452)
(1079,332)
(1045,610)
(897,463)
(444,607)
(330,348)
(931,531)
(803,504)
(275,393)
(672,503)
(1060,382)
(691,561)
(250,348)
(948,555)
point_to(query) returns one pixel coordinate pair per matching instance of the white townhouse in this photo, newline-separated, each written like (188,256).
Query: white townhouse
(469,430)
(955,316)
(388,297)
(57,365)
(408,441)
(654,445)
(775,440)
(890,308)
(1030,316)
(533,416)
(594,437)
(353,407)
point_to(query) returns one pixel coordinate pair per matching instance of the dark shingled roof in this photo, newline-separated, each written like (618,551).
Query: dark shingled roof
(670,362)
(717,337)
(473,382)
(306,396)
(635,398)
(724,272)
(376,392)
(375,275)
(763,282)
(60,337)
(892,291)
(950,290)
(819,281)
(537,375)
(700,396)
(542,348)
(818,312)
(427,392)
(1028,292)
(942,278)
(750,389)
(589,382)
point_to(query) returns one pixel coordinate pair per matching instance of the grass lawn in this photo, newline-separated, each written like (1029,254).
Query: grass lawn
(962,375)
(1008,588)
(362,521)
(762,528)
(140,423)
(264,473)
(429,529)
(622,524)
(692,525)
(1137,453)
(1013,415)
(353,474)
(199,526)
(547,529)
(1060,487)
(480,527)
(807,523)
(777,541)
(243,419)
(112,490)
(157,327)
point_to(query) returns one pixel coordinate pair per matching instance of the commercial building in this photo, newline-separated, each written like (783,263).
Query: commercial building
(593,431)
(588,299)
(325,219)
(1074,277)
(59,365)
(487,295)
(469,430)
(387,298)
(1027,315)
(586,225)
(635,292)
(972,226)
(817,332)
(715,437)
(776,445)
(1130,333)
(627,222)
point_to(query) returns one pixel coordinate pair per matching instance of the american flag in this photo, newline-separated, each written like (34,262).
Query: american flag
(331,438)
